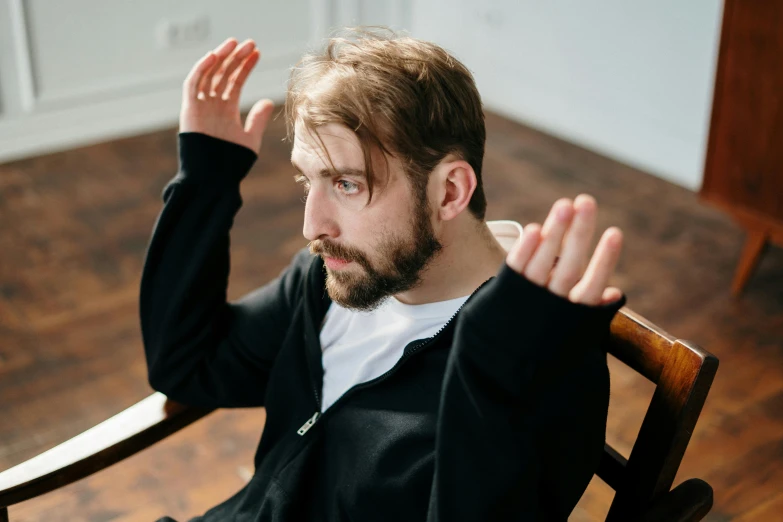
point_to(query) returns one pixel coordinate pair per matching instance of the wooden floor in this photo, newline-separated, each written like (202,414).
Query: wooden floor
(74,231)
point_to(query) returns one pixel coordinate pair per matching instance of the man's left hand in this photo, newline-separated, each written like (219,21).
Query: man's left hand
(557,255)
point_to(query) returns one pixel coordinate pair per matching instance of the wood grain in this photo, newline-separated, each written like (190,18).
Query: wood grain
(744,163)
(74,230)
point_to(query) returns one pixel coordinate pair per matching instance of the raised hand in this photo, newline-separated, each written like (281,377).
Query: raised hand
(557,255)
(210,96)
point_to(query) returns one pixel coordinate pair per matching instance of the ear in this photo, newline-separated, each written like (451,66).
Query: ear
(452,184)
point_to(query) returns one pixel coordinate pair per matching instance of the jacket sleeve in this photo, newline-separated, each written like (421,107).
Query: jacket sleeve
(525,399)
(200,349)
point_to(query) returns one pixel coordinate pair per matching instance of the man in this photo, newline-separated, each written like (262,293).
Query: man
(411,367)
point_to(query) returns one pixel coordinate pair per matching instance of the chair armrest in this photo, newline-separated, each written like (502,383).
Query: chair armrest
(119,437)
(688,502)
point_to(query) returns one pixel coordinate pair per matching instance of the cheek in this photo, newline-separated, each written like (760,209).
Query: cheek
(367,234)
(391,220)
(395,229)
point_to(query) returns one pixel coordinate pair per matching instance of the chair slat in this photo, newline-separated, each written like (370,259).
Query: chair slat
(119,437)
(612,467)
(631,332)
(666,430)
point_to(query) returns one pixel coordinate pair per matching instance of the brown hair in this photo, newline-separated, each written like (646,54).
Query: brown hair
(405,97)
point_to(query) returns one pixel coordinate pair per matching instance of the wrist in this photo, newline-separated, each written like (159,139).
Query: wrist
(207,159)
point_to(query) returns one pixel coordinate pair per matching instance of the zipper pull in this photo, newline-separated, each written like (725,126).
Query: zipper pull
(309,424)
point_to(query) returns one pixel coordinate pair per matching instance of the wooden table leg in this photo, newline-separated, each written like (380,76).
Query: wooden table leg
(4,514)
(751,253)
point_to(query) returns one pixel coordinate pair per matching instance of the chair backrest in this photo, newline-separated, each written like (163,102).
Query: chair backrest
(683,374)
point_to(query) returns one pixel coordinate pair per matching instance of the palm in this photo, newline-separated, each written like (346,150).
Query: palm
(211,93)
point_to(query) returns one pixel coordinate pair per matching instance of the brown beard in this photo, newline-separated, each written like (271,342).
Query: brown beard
(404,260)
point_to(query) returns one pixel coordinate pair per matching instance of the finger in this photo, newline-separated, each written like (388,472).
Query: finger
(611,295)
(221,52)
(190,86)
(523,249)
(257,119)
(591,288)
(575,252)
(237,81)
(229,66)
(540,265)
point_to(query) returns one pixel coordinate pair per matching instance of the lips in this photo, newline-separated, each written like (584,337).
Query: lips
(335,263)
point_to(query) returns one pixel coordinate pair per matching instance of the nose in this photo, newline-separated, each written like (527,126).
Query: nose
(319,215)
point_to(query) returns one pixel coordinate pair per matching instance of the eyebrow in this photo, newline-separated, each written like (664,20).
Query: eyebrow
(326,173)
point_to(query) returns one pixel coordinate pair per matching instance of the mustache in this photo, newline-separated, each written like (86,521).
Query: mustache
(325,248)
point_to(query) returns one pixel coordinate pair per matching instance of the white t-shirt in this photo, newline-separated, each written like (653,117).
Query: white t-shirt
(360,346)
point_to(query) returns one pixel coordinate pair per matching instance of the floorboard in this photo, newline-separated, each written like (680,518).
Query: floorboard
(74,230)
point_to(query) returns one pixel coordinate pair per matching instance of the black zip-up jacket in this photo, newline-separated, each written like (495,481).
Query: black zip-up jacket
(499,416)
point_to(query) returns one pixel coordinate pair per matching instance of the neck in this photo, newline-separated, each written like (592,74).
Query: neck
(469,257)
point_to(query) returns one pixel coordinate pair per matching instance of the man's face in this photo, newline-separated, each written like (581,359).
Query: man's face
(370,251)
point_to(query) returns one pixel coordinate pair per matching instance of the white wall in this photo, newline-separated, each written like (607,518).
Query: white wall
(631,79)
(73,72)
(78,71)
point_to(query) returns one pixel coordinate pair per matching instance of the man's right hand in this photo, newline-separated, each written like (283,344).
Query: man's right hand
(210,96)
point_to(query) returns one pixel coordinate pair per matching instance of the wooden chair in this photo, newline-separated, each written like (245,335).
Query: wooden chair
(683,374)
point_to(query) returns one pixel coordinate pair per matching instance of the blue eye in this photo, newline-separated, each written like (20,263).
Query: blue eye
(348,187)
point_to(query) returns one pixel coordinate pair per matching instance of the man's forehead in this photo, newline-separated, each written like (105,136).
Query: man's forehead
(344,149)
(341,143)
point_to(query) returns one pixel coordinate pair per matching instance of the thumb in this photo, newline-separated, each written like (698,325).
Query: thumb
(257,119)
(611,295)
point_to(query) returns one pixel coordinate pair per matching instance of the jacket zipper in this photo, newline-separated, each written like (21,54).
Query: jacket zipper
(309,423)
